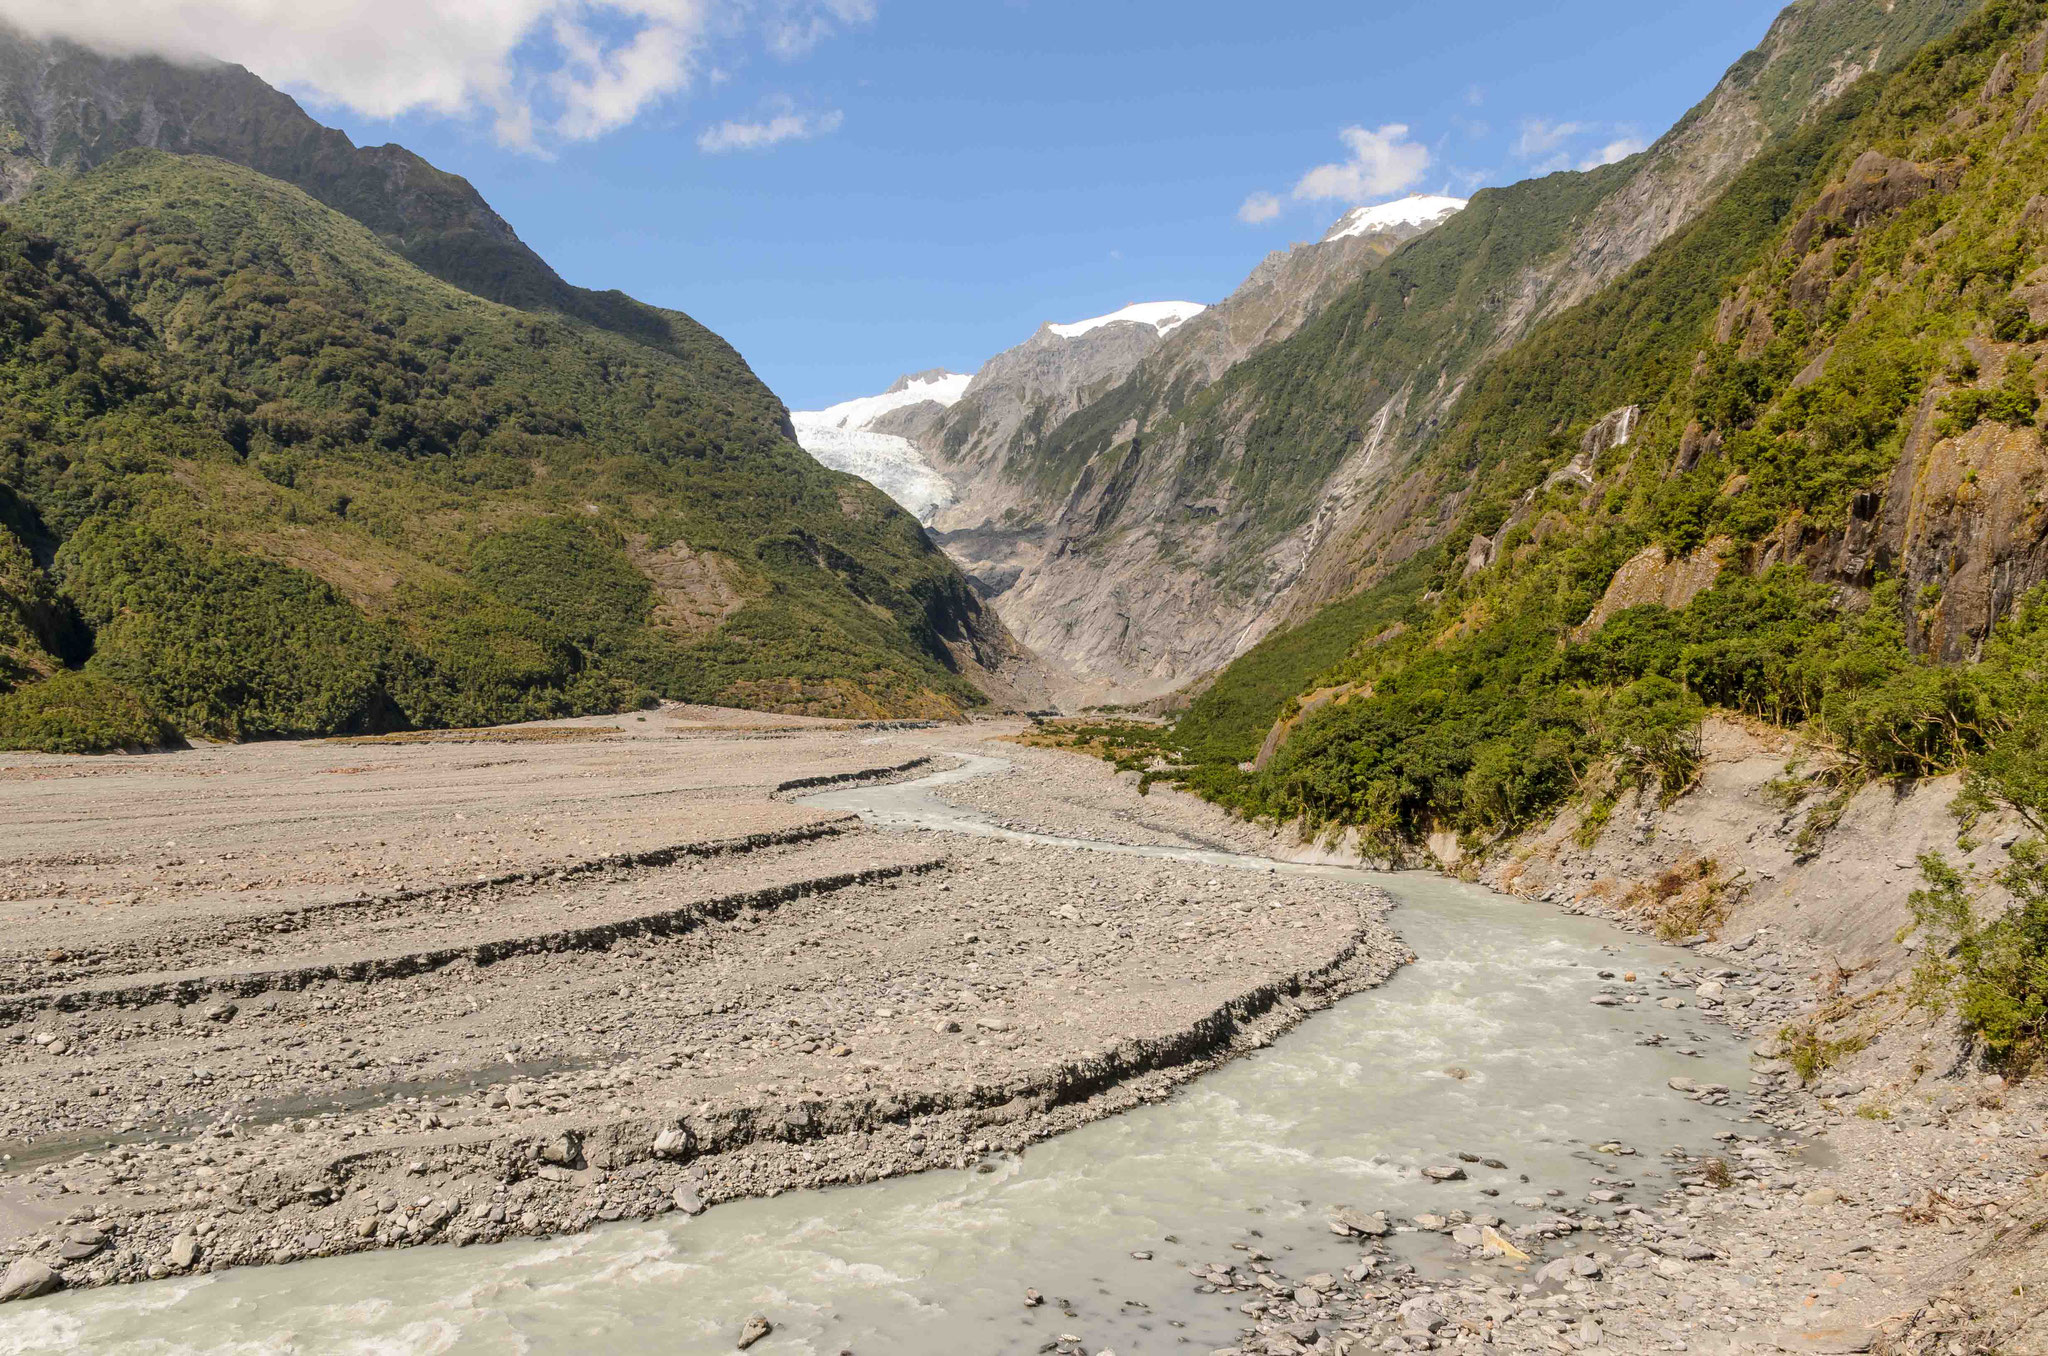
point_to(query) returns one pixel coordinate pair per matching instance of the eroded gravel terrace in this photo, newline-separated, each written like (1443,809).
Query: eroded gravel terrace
(305,999)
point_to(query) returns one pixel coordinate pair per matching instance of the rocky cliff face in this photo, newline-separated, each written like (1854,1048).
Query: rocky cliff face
(1017,491)
(1171,524)
(1020,393)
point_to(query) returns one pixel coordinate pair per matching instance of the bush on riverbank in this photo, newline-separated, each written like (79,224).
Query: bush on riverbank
(78,713)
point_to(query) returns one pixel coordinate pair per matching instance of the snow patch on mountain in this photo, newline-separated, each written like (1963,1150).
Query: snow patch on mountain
(941,388)
(1163,316)
(1417,209)
(840,437)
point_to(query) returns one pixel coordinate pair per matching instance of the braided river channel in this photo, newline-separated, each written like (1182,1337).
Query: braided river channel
(1341,1112)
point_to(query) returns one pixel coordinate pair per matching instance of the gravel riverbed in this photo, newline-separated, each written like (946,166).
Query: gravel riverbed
(659,1018)
(1894,1204)
(732,995)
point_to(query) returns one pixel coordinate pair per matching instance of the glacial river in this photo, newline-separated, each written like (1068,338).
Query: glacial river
(1341,1111)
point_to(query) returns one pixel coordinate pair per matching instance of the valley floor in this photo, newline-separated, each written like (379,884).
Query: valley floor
(306,999)
(303,999)
(1915,1222)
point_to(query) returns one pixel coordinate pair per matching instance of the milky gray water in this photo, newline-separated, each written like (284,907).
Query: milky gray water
(1342,1111)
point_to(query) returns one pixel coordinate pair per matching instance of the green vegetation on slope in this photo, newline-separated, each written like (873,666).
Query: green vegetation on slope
(71,109)
(301,487)
(1268,434)
(1783,350)
(1993,964)
(1228,722)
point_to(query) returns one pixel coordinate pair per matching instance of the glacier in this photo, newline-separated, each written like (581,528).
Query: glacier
(841,437)
(1163,316)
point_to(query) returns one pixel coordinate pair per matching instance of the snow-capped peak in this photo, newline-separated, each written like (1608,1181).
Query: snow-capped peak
(1163,316)
(1417,209)
(939,387)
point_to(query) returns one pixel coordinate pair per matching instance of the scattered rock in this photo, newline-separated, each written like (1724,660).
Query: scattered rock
(1349,1223)
(28,1278)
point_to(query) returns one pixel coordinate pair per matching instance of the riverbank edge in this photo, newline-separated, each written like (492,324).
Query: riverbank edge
(1963,1290)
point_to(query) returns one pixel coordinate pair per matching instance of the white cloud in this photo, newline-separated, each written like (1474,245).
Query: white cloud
(795,31)
(1258,208)
(1383,161)
(1541,137)
(786,125)
(1546,146)
(537,69)
(1621,148)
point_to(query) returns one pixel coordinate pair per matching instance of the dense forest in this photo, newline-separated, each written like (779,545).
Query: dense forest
(261,476)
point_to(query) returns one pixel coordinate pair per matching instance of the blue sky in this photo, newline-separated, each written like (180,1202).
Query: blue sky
(948,175)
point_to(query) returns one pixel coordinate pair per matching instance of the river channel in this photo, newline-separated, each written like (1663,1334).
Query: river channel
(1342,1111)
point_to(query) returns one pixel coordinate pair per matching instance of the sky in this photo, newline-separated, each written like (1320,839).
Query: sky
(849,190)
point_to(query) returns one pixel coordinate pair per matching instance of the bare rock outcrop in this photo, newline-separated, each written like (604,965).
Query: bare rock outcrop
(1653,575)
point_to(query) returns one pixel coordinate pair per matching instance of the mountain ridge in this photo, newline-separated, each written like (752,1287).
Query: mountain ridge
(1819,509)
(267,475)
(1201,513)
(65,107)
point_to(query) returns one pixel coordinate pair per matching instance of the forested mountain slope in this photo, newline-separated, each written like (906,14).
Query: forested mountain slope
(1791,465)
(65,108)
(1191,519)
(262,475)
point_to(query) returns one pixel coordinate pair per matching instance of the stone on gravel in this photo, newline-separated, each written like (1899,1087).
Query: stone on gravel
(28,1278)
(1491,1241)
(1352,1224)
(564,1150)
(1419,1315)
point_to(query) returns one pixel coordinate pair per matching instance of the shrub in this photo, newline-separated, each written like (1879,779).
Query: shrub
(225,645)
(1991,967)
(1653,726)
(1810,1054)
(76,712)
